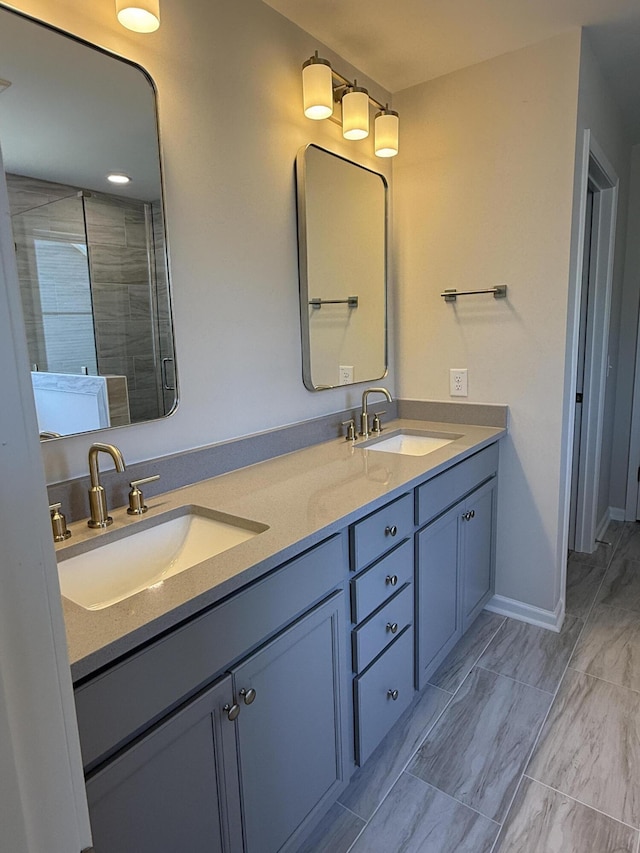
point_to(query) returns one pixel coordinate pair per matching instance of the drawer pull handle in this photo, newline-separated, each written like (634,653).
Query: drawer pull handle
(248,695)
(391,580)
(390,531)
(392,694)
(392,626)
(232,711)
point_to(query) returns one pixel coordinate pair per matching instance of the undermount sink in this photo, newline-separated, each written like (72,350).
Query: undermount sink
(143,555)
(411,442)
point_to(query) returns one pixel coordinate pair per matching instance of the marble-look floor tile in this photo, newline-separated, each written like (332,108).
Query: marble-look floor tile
(478,749)
(583,582)
(609,648)
(590,746)
(460,660)
(530,654)
(542,820)
(600,557)
(371,782)
(416,818)
(335,833)
(629,541)
(621,585)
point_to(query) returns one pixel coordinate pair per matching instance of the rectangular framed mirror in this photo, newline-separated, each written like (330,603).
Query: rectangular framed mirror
(79,136)
(342,257)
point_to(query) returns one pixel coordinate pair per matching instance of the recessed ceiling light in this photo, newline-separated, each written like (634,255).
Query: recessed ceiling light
(118,178)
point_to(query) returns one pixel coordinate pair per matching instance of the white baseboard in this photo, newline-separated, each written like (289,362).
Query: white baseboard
(551,619)
(617,513)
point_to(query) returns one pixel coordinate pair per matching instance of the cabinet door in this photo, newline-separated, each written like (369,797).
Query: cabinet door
(291,736)
(438,616)
(477,525)
(175,789)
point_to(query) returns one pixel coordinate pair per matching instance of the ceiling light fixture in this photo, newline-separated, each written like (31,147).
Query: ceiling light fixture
(141,16)
(118,178)
(322,86)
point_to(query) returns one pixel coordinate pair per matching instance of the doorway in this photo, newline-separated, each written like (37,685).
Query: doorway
(592,357)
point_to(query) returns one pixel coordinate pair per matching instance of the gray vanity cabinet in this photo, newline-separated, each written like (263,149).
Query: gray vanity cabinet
(176,788)
(291,735)
(478,551)
(455,556)
(228,734)
(437,580)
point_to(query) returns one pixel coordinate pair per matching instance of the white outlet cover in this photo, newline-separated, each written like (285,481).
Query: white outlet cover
(458,382)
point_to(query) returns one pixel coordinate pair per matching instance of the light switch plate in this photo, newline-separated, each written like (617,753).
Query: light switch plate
(458,382)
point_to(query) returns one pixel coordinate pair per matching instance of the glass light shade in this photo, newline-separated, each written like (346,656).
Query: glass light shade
(141,16)
(386,132)
(317,88)
(355,113)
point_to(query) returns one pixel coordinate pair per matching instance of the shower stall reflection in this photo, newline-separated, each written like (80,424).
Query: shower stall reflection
(95,299)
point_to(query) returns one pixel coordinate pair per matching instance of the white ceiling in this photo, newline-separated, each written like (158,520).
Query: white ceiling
(405,42)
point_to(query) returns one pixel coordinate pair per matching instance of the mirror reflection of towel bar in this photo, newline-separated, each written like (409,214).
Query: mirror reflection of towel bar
(351,301)
(499,292)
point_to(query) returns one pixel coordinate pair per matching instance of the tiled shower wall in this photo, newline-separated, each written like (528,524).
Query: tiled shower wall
(122,288)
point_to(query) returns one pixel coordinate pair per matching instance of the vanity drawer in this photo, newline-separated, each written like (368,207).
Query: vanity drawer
(123,701)
(371,588)
(377,632)
(447,488)
(379,532)
(376,710)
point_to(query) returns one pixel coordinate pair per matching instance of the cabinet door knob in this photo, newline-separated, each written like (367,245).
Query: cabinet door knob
(472,514)
(392,694)
(392,626)
(391,580)
(390,531)
(466,516)
(232,711)
(248,695)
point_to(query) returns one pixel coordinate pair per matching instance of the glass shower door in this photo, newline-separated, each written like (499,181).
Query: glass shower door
(55,286)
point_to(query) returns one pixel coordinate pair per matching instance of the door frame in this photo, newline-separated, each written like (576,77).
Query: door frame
(602,176)
(40,761)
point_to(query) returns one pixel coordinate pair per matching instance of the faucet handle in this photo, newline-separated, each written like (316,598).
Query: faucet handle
(58,524)
(136,498)
(351,429)
(377,425)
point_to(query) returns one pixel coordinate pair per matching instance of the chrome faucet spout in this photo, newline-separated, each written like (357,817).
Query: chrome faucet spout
(97,499)
(364,417)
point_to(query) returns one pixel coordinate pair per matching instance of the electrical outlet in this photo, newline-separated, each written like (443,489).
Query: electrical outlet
(345,374)
(458,382)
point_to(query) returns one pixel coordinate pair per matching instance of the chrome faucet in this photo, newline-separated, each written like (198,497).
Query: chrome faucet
(364,417)
(97,499)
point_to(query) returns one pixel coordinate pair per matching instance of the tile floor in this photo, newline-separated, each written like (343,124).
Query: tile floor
(526,741)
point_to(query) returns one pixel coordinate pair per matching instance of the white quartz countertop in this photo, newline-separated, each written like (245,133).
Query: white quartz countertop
(302,497)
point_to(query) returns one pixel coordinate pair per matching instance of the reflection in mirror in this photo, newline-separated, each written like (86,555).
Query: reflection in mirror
(91,254)
(342,236)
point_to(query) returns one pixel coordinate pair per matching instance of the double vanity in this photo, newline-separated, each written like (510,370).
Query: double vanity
(225,705)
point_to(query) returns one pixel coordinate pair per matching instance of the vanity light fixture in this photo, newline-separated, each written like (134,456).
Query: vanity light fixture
(355,112)
(317,88)
(386,132)
(323,86)
(141,16)
(118,178)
